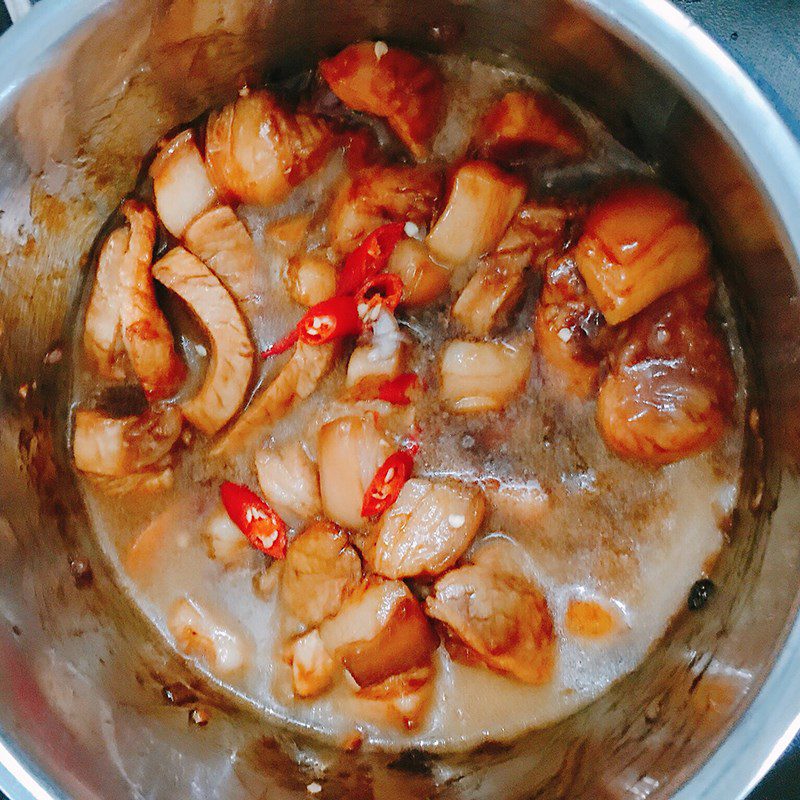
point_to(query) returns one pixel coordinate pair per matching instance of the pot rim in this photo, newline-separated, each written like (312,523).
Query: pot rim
(732,102)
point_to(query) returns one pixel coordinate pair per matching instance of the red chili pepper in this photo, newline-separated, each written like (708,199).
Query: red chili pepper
(387,483)
(396,390)
(384,288)
(282,345)
(264,529)
(330,319)
(369,257)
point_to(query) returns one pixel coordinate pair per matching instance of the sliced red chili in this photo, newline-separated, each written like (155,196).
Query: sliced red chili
(264,529)
(282,345)
(397,389)
(328,320)
(384,288)
(387,483)
(369,257)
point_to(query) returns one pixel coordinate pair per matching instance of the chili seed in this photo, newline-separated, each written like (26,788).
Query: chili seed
(700,593)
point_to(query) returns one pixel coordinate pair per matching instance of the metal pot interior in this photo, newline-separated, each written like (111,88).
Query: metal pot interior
(81,703)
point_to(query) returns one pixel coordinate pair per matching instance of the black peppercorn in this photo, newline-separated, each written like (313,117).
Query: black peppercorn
(700,593)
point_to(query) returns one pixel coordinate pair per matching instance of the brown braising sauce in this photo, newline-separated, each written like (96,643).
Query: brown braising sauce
(475,491)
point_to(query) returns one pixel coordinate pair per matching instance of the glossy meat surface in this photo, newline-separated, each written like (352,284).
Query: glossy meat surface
(670,388)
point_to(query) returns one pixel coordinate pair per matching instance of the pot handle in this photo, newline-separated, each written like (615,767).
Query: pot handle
(17,9)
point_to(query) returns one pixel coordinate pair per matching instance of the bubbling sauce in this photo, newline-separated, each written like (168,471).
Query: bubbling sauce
(590,527)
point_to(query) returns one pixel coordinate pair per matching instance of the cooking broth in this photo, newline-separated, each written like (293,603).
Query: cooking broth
(592,526)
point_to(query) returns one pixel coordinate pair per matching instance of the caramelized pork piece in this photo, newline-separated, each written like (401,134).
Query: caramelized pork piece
(482,376)
(320,572)
(224,541)
(181,186)
(378,195)
(515,503)
(379,360)
(405,698)
(489,297)
(379,632)
(569,329)
(231,366)
(312,666)
(369,367)
(534,234)
(423,280)
(219,239)
(298,378)
(288,232)
(200,632)
(427,529)
(524,124)
(361,148)
(115,447)
(538,231)
(102,330)
(310,279)
(257,150)
(190,22)
(391,83)
(639,244)
(149,481)
(145,331)
(670,386)
(498,616)
(480,206)
(144,557)
(349,452)
(289,481)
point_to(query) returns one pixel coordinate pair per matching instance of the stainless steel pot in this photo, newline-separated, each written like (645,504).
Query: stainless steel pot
(86,87)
